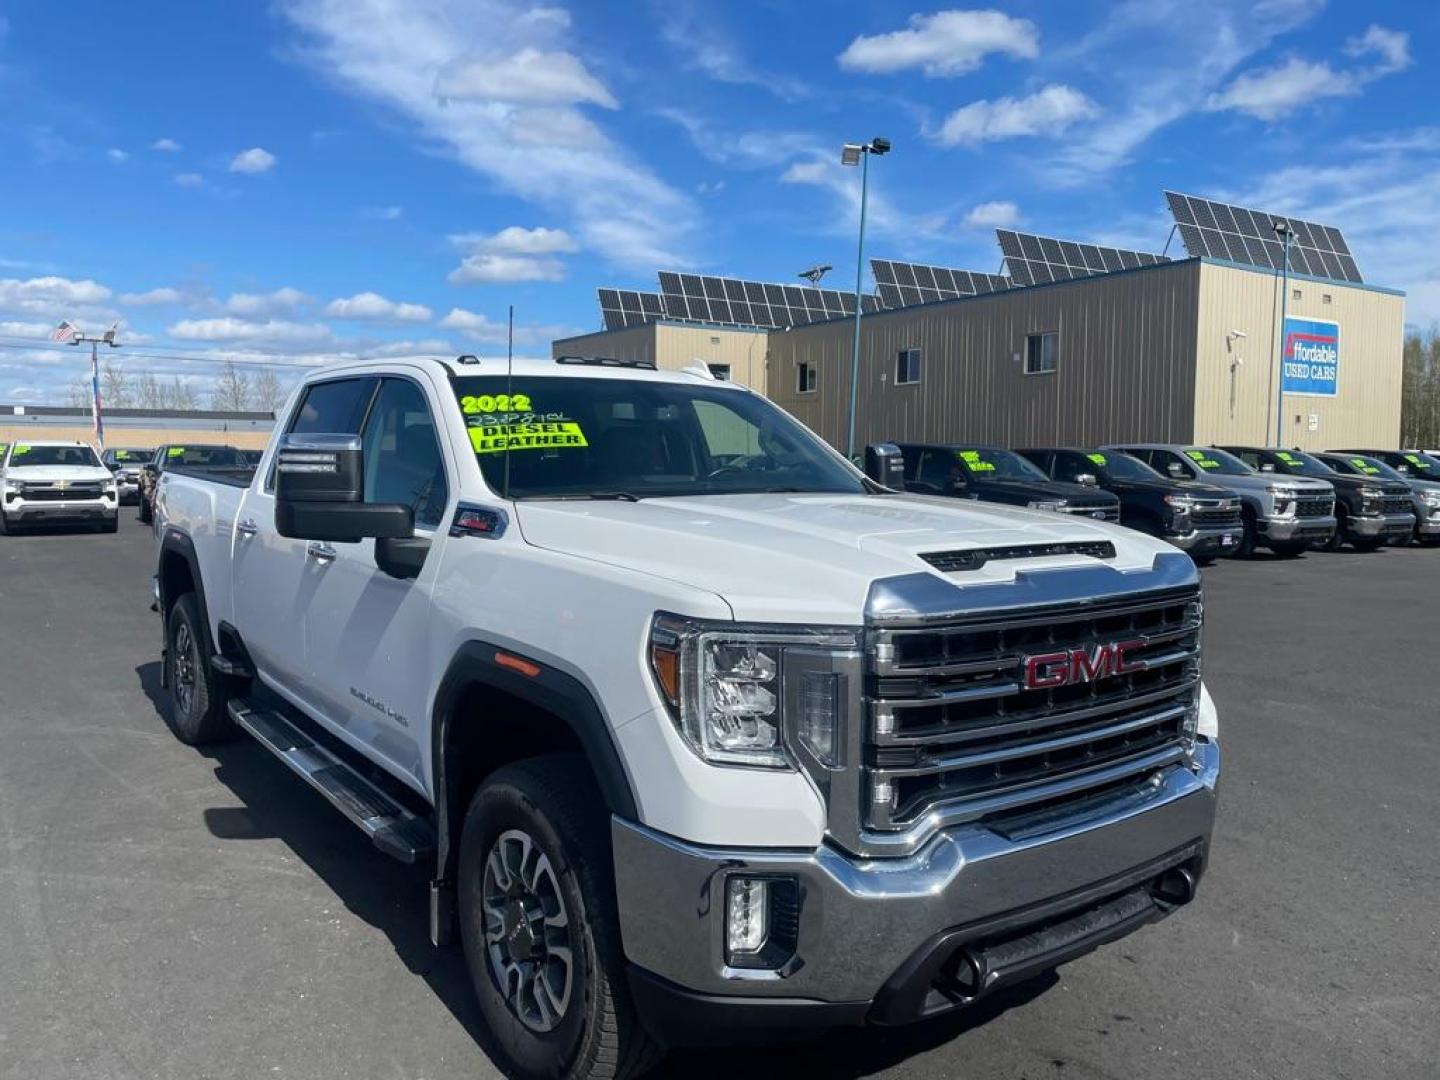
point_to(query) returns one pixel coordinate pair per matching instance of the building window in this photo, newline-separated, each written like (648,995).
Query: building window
(907,367)
(1325,298)
(720,371)
(805,378)
(1294,294)
(1041,353)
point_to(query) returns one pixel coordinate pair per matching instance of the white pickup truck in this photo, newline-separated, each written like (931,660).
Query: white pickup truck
(703,732)
(50,482)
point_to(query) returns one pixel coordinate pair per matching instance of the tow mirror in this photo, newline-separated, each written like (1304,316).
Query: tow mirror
(1089,479)
(320,493)
(1176,470)
(1267,466)
(885,465)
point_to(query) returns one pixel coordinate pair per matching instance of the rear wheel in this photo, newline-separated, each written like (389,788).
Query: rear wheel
(1289,550)
(4,524)
(1367,543)
(197,712)
(539,926)
(144,513)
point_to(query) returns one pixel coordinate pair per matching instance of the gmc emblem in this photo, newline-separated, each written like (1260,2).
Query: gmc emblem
(1046,671)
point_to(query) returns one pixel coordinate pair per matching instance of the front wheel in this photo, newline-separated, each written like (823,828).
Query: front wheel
(4,524)
(197,713)
(1367,543)
(111,524)
(144,513)
(540,929)
(1249,534)
(1290,550)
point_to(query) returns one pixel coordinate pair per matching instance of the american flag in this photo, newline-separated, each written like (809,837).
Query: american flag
(95,399)
(66,331)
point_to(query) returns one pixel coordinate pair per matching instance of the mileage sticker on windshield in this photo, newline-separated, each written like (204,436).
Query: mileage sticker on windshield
(1199,457)
(20,449)
(1098,459)
(973,461)
(175,451)
(1364,466)
(1286,456)
(494,438)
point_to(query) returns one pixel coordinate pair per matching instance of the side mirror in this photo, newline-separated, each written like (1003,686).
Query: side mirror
(319,493)
(1267,466)
(1176,471)
(885,465)
(1089,479)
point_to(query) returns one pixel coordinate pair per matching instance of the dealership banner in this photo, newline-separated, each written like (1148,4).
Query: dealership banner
(1311,356)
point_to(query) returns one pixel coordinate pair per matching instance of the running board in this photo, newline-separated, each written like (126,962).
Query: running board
(391,827)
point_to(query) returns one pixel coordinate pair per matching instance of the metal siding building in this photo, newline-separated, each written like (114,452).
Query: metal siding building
(1142,356)
(137,429)
(672,346)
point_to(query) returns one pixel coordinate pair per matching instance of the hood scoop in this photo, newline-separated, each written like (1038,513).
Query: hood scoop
(952,562)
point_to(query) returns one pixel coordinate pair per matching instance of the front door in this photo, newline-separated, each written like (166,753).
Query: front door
(368,634)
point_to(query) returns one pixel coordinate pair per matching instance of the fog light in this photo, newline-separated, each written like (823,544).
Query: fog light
(747,915)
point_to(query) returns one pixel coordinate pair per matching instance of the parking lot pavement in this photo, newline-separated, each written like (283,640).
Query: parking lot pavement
(167,913)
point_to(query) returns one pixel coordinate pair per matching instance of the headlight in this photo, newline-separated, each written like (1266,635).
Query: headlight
(14,485)
(1283,492)
(1432,499)
(1046,504)
(754,695)
(1182,504)
(1371,499)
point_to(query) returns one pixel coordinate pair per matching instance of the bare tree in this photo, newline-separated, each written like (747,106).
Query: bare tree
(232,390)
(115,385)
(1420,390)
(180,396)
(149,392)
(267,394)
(79,393)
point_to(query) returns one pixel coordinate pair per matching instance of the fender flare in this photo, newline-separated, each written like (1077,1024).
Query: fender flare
(549,689)
(174,542)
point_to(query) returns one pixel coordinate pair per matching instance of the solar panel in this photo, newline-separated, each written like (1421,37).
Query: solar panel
(1237,234)
(621,308)
(1037,260)
(902,284)
(738,302)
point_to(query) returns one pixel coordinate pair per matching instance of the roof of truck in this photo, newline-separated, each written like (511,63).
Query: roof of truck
(565,367)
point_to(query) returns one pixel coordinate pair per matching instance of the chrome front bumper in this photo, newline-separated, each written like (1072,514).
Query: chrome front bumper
(1317,529)
(1389,525)
(68,510)
(1209,540)
(863,923)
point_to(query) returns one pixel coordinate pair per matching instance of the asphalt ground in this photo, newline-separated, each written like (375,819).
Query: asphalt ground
(170,913)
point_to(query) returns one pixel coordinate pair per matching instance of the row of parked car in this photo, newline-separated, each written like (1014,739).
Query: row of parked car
(1207,500)
(53,482)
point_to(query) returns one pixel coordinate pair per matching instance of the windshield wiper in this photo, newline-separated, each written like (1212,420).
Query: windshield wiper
(620,496)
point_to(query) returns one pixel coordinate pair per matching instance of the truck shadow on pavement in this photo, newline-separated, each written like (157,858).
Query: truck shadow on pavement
(393,898)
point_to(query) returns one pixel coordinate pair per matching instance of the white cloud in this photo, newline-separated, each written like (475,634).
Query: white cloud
(883,216)
(372,307)
(163,295)
(943,45)
(118,156)
(512,254)
(190,179)
(698,41)
(529,77)
(165,146)
(1392,47)
(481,328)
(1001,214)
(1274,92)
(384,213)
(281,301)
(51,289)
(254,160)
(25,329)
(1049,111)
(274,331)
(389,53)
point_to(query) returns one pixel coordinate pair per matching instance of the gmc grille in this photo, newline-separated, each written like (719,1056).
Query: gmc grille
(950,723)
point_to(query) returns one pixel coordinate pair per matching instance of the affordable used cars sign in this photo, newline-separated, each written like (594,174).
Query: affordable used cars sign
(1311,356)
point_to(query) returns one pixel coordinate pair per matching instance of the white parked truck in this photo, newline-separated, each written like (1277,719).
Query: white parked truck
(47,482)
(702,731)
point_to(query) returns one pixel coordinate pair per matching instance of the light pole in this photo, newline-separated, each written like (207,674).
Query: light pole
(108,338)
(1282,230)
(859,154)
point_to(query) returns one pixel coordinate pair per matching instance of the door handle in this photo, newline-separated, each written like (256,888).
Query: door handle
(319,552)
(246,527)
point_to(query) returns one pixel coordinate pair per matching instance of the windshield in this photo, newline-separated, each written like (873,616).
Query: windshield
(985,463)
(1369,466)
(638,438)
(25,455)
(219,457)
(1425,468)
(1122,467)
(1302,464)
(131,457)
(1218,462)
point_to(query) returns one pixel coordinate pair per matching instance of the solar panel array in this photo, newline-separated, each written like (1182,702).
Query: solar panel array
(1037,260)
(903,284)
(620,308)
(1237,234)
(734,302)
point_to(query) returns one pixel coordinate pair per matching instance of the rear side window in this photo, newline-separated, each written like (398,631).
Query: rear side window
(337,407)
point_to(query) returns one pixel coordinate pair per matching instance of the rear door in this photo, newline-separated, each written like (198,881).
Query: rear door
(368,635)
(276,578)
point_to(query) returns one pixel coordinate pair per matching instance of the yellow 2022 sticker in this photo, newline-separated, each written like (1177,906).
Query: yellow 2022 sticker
(493,403)
(175,451)
(495,438)
(21,448)
(1098,459)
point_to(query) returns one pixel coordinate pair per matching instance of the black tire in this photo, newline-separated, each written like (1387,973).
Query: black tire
(196,713)
(1249,534)
(111,524)
(144,514)
(1342,526)
(1289,550)
(1203,560)
(4,524)
(548,806)
(1367,543)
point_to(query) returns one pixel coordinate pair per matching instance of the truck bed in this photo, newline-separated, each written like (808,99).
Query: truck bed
(238,476)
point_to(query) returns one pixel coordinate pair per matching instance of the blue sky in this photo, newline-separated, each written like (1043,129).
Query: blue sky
(289,183)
